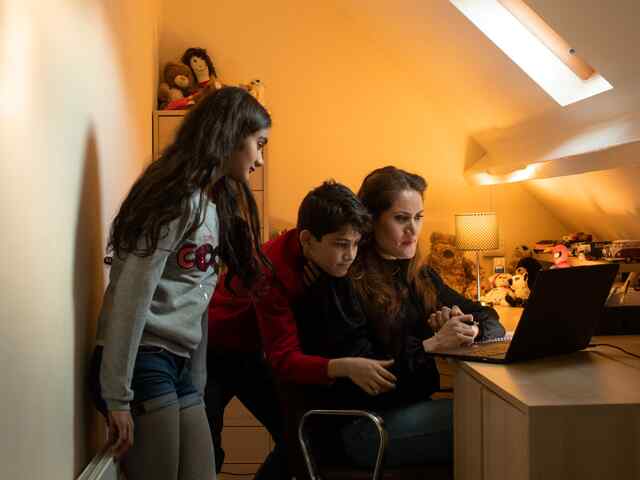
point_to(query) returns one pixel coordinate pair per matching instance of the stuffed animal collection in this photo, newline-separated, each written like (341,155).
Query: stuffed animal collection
(186,82)
(456,270)
(508,290)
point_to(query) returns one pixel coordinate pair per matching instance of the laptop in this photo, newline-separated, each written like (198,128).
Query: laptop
(560,317)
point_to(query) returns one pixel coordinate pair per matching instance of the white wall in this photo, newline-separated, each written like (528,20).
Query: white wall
(76,89)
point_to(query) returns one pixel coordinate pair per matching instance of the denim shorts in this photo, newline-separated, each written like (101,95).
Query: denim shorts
(160,379)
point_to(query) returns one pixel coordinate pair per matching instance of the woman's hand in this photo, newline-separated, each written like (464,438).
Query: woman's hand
(455,332)
(437,319)
(120,425)
(370,375)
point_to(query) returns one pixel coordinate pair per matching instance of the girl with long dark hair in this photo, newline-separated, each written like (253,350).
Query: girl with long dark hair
(189,212)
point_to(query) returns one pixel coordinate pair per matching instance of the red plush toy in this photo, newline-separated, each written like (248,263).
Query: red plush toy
(560,256)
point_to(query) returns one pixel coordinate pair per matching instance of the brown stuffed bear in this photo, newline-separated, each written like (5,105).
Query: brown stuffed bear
(456,270)
(178,84)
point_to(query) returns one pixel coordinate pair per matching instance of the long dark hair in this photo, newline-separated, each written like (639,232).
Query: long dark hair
(383,297)
(215,128)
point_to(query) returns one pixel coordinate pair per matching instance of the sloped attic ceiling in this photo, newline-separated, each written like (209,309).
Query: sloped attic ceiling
(591,147)
(572,139)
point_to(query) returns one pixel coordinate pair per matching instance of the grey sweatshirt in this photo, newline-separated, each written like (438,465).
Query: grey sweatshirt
(160,300)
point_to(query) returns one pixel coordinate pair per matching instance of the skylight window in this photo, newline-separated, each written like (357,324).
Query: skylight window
(535,47)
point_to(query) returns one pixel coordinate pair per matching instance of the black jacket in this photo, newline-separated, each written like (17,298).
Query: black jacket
(332,323)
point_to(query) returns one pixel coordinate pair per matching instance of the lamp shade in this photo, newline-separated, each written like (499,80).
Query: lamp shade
(477,231)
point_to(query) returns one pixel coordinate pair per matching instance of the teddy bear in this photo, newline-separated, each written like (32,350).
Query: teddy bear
(456,270)
(178,85)
(501,291)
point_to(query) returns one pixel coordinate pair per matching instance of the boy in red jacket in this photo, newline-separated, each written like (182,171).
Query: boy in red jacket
(245,328)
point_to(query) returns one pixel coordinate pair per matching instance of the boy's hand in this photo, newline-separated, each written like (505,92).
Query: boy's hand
(370,375)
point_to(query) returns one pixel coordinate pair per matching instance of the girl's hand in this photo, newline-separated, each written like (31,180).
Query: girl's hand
(120,425)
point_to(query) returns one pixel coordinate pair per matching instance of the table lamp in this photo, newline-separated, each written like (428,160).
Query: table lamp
(477,231)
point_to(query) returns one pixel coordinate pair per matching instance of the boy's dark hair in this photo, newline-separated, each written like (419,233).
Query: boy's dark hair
(331,207)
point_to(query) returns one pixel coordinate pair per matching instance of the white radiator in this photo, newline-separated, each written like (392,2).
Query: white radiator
(101,467)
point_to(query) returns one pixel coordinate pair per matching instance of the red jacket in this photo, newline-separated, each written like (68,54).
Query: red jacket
(248,323)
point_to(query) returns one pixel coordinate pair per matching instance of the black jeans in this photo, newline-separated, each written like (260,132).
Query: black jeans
(248,377)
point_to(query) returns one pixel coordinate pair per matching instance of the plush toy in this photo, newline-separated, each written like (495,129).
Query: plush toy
(501,283)
(519,286)
(457,271)
(531,266)
(202,67)
(520,252)
(256,89)
(178,84)
(560,256)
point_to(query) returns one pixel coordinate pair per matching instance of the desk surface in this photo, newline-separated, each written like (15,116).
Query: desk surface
(509,316)
(596,376)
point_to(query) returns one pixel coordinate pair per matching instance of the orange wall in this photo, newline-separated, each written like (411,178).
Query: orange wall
(77,84)
(345,101)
